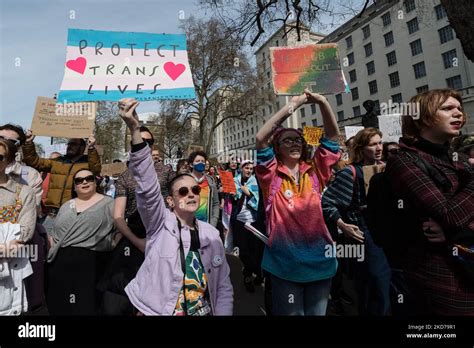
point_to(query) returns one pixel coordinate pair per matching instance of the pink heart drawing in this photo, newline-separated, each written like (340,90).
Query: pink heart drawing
(78,65)
(174,70)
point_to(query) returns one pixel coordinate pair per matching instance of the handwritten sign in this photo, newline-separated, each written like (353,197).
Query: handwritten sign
(112,169)
(351,131)
(391,127)
(108,65)
(315,67)
(71,120)
(369,172)
(227,180)
(312,135)
(173,162)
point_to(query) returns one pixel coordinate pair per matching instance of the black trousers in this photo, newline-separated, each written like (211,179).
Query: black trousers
(250,248)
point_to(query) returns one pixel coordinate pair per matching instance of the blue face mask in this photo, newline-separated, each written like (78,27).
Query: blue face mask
(199,167)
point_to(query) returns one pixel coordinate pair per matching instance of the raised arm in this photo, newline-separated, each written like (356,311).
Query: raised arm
(30,156)
(150,202)
(93,156)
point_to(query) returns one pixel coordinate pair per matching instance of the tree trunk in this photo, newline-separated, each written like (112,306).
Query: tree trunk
(461,18)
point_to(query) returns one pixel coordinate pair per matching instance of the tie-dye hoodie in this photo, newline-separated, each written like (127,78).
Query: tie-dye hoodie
(298,235)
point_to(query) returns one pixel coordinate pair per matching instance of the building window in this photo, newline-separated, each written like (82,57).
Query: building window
(440,12)
(394,79)
(386,19)
(449,58)
(397,98)
(270,109)
(370,68)
(366,31)
(454,82)
(355,93)
(391,58)
(303,124)
(409,5)
(302,112)
(422,89)
(278,105)
(338,99)
(356,111)
(446,34)
(388,39)
(340,115)
(368,49)
(373,87)
(416,47)
(350,58)
(315,122)
(313,108)
(263,112)
(349,42)
(353,75)
(277,44)
(413,26)
(420,70)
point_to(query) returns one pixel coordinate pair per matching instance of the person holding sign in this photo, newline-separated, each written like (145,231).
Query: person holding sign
(62,170)
(185,271)
(291,182)
(244,209)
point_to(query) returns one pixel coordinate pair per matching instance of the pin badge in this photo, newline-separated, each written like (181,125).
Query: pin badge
(217,261)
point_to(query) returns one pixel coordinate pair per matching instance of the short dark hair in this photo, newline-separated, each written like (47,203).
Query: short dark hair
(194,154)
(73,189)
(10,150)
(17,129)
(145,129)
(172,181)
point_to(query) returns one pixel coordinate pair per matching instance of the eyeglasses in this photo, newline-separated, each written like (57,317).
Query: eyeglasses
(79,180)
(184,191)
(291,141)
(393,151)
(150,142)
(13,141)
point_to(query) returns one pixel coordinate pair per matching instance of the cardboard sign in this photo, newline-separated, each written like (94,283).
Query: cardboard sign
(352,131)
(227,180)
(369,172)
(108,65)
(315,67)
(391,127)
(72,120)
(312,135)
(112,169)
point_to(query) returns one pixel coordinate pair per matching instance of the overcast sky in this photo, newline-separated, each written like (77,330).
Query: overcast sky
(33,34)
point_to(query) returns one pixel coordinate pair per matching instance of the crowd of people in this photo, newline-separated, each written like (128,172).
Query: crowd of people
(153,241)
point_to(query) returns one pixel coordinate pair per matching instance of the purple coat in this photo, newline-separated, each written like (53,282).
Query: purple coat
(155,289)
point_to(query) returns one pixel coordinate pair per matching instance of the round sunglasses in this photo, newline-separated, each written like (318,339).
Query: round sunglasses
(79,180)
(184,191)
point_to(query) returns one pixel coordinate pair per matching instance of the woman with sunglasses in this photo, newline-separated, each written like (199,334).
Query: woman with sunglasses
(291,180)
(185,271)
(17,224)
(82,234)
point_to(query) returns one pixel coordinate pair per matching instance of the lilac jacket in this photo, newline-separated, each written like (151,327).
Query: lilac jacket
(155,289)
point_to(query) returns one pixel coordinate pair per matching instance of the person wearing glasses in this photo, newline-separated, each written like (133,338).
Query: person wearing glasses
(82,235)
(291,181)
(185,271)
(128,256)
(62,170)
(17,225)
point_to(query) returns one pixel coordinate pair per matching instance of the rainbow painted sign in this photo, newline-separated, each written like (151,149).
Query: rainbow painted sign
(315,67)
(108,65)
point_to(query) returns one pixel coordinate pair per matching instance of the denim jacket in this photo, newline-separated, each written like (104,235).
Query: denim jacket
(155,289)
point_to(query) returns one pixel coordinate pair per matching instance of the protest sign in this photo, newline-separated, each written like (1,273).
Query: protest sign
(112,169)
(369,172)
(72,120)
(109,65)
(312,135)
(391,127)
(173,162)
(352,131)
(49,149)
(315,67)
(227,180)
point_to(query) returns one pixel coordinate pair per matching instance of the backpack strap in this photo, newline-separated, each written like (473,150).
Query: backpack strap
(274,188)
(426,167)
(353,170)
